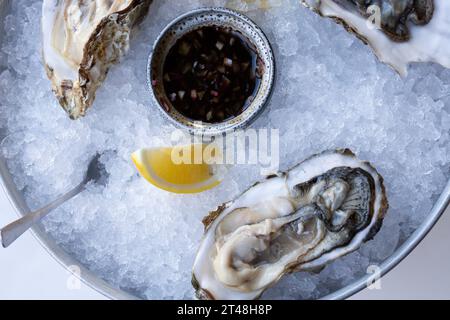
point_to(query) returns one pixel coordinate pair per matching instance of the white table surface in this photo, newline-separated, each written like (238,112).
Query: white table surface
(27,271)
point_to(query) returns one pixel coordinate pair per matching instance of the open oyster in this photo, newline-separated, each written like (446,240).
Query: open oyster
(399,31)
(322,209)
(81,40)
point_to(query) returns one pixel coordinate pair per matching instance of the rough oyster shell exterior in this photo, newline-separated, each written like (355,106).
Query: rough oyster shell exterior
(81,41)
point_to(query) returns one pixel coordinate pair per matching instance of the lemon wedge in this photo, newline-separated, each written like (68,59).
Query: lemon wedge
(181,169)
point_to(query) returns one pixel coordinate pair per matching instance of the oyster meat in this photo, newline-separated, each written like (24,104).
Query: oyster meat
(81,40)
(300,220)
(398,31)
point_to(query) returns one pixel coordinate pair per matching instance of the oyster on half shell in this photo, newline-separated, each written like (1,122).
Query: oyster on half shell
(300,220)
(81,40)
(398,31)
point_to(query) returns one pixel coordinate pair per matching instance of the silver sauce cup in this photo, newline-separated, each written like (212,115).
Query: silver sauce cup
(196,19)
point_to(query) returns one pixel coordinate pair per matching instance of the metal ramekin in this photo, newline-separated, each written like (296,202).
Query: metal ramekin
(17,200)
(210,17)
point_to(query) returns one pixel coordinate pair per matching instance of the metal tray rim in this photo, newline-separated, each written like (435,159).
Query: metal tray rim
(20,207)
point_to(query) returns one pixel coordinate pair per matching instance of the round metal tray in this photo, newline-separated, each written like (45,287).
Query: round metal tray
(18,202)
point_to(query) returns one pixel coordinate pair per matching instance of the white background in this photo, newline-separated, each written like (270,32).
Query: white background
(27,271)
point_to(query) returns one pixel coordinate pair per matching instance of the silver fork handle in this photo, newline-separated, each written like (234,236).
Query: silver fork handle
(15,229)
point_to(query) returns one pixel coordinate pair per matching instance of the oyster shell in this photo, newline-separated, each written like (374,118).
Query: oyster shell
(409,30)
(322,209)
(81,40)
